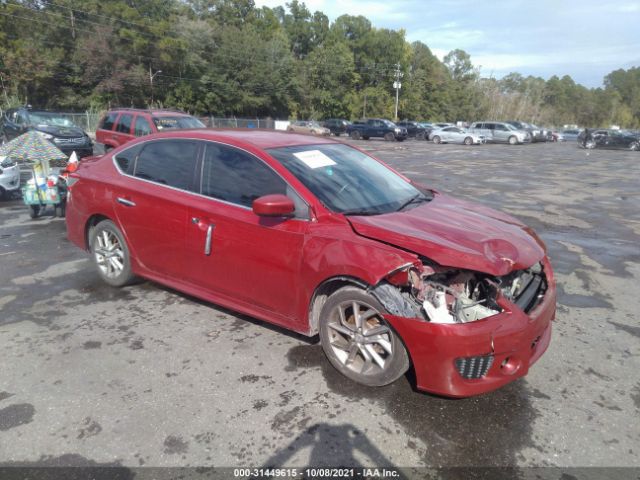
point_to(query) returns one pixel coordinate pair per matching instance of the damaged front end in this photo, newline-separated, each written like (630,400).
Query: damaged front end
(447,295)
(469,332)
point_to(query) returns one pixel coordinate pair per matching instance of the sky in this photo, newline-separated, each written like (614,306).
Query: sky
(585,39)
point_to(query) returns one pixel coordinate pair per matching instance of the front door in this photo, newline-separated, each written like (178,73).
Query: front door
(232,251)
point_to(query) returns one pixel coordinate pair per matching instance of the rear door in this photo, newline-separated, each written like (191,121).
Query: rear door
(141,126)
(235,253)
(152,201)
(122,133)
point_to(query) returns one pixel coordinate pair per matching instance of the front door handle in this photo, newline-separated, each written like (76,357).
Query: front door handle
(207,242)
(125,202)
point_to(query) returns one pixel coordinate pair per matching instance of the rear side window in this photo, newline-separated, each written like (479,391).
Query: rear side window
(108,121)
(124,123)
(235,176)
(168,162)
(126,159)
(142,127)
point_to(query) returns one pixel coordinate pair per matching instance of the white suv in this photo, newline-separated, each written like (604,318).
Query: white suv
(9,176)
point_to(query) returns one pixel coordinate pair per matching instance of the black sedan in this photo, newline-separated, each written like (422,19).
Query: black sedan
(608,138)
(55,127)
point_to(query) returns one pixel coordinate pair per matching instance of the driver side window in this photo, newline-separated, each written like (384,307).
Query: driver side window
(237,177)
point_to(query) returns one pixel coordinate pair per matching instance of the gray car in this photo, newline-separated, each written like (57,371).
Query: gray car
(9,177)
(455,135)
(500,132)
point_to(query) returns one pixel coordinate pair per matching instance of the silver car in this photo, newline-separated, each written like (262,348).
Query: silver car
(455,135)
(9,176)
(500,132)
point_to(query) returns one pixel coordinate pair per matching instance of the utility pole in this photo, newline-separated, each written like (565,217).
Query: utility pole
(364,107)
(151,81)
(73,24)
(397,85)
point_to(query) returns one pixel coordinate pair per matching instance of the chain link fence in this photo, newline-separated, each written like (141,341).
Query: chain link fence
(233,122)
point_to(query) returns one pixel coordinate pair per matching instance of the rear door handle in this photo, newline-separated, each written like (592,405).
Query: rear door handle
(125,202)
(207,242)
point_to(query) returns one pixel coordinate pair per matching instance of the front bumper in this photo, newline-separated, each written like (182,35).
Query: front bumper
(516,340)
(10,179)
(81,151)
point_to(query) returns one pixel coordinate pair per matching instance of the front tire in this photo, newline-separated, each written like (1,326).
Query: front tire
(634,146)
(437,139)
(357,340)
(110,254)
(513,140)
(389,137)
(468,141)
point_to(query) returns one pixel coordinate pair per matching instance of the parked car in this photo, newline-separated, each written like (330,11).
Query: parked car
(318,237)
(336,126)
(536,134)
(9,177)
(377,127)
(122,125)
(609,138)
(309,127)
(53,126)
(555,136)
(414,129)
(499,132)
(571,134)
(456,135)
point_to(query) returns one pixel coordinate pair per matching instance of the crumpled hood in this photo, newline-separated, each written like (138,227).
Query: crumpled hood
(61,132)
(457,234)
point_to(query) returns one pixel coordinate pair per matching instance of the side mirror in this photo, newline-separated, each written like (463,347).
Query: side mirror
(276,205)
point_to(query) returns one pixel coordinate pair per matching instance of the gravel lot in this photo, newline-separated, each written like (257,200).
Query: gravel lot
(148,376)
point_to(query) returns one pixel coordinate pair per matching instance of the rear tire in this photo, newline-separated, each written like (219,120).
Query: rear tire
(110,254)
(437,139)
(34,211)
(355,135)
(634,146)
(358,342)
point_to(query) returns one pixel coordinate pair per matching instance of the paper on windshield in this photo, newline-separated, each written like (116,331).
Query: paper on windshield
(314,159)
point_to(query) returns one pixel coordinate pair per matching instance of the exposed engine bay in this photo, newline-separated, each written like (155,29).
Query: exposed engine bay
(445,295)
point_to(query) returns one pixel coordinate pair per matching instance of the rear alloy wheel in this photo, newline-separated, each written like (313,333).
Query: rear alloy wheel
(110,254)
(634,146)
(357,340)
(513,140)
(437,139)
(468,141)
(355,135)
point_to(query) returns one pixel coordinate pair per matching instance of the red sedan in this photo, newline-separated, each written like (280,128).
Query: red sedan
(320,238)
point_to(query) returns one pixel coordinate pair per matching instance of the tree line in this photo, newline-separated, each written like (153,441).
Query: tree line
(229,57)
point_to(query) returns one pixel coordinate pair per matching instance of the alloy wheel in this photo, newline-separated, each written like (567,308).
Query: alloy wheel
(109,254)
(359,338)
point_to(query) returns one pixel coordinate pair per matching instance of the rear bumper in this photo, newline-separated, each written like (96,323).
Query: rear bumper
(516,341)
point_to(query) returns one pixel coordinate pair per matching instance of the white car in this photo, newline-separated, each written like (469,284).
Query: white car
(456,135)
(9,176)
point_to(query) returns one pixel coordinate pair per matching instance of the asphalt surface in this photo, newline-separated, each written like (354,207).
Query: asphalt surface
(148,376)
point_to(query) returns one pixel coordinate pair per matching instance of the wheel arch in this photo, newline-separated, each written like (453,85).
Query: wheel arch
(90,224)
(324,290)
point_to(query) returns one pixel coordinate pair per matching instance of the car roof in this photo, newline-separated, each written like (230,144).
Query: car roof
(259,138)
(155,112)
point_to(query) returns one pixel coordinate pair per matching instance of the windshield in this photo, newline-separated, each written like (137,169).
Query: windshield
(347,180)
(511,127)
(389,123)
(51,119)
(180,122)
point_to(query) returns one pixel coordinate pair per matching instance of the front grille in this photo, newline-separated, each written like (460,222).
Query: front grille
(70,141)
(474,367)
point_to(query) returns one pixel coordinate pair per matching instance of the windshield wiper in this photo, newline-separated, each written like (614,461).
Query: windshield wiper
(417,198)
